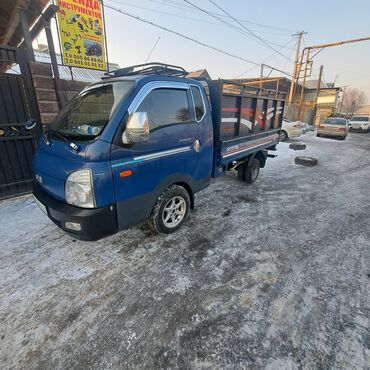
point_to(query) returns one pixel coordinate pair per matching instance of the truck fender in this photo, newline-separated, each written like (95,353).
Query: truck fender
(180,179)
(261,156)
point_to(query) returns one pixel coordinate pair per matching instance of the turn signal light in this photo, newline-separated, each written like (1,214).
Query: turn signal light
(126,173)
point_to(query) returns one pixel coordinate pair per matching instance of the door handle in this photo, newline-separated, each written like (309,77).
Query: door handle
(196,145)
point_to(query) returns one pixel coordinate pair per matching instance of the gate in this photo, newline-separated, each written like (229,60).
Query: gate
(17,105)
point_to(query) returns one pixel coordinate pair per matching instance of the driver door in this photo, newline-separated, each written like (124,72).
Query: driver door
(168,155)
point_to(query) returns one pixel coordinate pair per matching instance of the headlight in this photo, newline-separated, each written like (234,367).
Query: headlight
(79,189)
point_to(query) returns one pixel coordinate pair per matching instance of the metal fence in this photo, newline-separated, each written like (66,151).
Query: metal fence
(16,143)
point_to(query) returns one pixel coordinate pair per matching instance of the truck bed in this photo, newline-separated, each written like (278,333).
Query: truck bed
(245,120)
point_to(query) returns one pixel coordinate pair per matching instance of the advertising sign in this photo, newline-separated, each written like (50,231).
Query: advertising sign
(81,33)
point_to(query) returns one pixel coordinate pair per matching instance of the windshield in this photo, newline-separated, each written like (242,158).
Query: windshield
(335,121)
(360,119)
(85,116)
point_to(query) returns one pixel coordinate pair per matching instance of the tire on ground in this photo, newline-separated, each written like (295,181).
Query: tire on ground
(156,221)
(306,161)
(297,146)
(252,171)
(240,171)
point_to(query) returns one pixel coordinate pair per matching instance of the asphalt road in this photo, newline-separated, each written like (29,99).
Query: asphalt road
(275,275)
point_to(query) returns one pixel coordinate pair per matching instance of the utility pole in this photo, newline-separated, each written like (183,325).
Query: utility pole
(295,68)
(319,84)
(261,77)
(317,93)
(342,100)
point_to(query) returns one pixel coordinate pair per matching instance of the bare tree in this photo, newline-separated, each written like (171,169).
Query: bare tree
(352,98)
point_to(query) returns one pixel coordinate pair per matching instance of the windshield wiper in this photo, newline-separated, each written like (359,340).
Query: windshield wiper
(57,133)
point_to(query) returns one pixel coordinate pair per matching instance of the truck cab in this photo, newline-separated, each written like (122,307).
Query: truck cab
(120,145)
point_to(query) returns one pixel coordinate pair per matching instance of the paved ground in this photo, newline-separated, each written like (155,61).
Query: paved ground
(273,275)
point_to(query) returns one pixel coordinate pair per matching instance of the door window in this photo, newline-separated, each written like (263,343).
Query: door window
(165,107)
(198,103)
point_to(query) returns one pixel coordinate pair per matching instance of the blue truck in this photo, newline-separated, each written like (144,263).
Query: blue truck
(137,145)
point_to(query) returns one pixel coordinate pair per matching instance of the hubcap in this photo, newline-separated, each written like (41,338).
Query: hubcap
(174,212)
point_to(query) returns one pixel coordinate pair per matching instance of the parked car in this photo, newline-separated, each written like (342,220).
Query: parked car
(139,144)
(290,129)
(333,126)
(360,123)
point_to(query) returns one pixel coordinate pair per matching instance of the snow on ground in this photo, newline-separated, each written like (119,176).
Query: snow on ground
(274,275)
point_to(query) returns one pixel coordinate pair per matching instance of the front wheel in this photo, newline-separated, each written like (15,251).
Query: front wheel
(171,210)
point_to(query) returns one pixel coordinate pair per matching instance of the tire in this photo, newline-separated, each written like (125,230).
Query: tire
(240,171)
(170,211)
(297,146)
(283,135)
(318,135)
(252,171)
(306,161)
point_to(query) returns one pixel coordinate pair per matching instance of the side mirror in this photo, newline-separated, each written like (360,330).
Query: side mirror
(30,124)
(137,128)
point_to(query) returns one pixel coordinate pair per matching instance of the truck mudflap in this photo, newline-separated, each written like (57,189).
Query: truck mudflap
(81,223)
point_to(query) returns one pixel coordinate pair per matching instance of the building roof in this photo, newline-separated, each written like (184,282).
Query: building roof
(10,29)
(312,84)
(201,73)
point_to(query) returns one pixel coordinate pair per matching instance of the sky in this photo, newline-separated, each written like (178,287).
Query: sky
(130,40)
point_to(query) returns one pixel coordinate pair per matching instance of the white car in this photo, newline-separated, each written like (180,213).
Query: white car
(360,123)
(333,126)
(290,129)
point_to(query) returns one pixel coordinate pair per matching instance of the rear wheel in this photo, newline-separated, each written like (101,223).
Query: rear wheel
(252,171)
(283,135)
(240,170)
(170,210)
(249,173)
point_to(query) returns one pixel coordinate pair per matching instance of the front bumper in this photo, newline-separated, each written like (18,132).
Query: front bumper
(95,223)
(359,128)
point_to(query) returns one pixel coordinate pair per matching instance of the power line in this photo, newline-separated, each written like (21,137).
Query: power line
(202,20)
(217,17)
(265,42)
(207,12)
(176,5)
(166,13)
(264,60)
(180,34)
